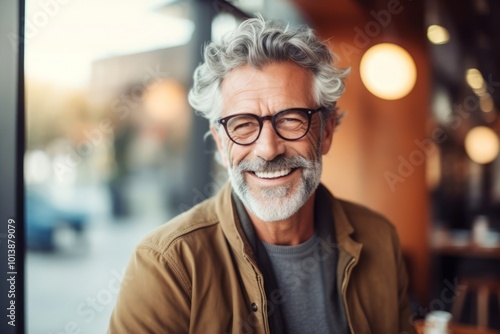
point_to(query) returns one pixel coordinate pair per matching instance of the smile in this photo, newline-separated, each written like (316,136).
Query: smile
(273,174)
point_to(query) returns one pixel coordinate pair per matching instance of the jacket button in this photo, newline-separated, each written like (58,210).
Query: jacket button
(255,308)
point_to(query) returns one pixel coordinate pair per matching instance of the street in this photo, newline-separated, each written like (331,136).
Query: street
(74,289)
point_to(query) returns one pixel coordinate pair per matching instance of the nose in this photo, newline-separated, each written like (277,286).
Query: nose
(268,146)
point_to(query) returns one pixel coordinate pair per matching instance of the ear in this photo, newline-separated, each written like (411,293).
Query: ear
(328,134)
(220,146)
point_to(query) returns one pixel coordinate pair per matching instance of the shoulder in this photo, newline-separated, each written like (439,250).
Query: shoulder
(362,216)
(352,217)
(368,226)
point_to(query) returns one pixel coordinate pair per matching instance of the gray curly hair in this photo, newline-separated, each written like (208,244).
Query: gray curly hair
(257,42)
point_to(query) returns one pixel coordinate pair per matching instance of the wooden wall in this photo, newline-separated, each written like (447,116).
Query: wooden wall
(376,135)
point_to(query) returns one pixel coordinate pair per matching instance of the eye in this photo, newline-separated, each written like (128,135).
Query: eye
(242,124)
(289,121)
(292,119)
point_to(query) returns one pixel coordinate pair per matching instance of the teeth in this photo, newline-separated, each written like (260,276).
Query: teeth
(270,175)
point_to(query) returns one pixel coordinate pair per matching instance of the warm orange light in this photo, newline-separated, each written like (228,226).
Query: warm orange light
(433,167)
(481,144)
(474,78)
(388,71)
(437,34)
(166,101)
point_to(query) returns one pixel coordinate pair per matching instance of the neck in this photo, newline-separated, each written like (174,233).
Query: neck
(289,232)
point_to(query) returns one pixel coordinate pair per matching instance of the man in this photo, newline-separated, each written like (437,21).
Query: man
(273,251)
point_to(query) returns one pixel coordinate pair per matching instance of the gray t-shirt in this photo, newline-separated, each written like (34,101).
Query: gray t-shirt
(298,271)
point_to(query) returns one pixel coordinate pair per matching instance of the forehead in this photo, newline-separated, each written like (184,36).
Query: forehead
(272,88)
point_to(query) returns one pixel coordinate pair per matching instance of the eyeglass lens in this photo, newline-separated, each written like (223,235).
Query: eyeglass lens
(289,124)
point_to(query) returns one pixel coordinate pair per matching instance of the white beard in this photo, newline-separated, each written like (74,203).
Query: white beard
(276,203)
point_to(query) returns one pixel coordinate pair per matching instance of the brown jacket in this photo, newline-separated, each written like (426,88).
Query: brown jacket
(197,274)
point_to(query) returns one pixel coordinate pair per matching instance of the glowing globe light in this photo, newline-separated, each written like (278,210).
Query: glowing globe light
(474,78)
(437,34)
(388,71)
(481,144)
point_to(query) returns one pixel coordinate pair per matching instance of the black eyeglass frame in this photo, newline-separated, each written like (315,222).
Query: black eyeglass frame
(309,112)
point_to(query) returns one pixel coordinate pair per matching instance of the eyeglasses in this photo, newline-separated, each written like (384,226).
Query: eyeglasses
(289,124)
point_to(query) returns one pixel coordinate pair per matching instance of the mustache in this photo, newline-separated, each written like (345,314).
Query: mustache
(279,163)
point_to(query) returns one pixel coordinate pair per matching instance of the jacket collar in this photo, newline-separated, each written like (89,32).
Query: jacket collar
(231,225)
(348,249)
(345,231)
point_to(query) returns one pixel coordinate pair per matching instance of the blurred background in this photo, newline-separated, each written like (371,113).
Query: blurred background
(114,150)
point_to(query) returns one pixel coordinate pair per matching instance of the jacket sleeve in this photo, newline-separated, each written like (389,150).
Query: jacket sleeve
(154,296)
(405,323)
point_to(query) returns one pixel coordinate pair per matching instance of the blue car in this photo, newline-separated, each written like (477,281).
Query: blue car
(43,220)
